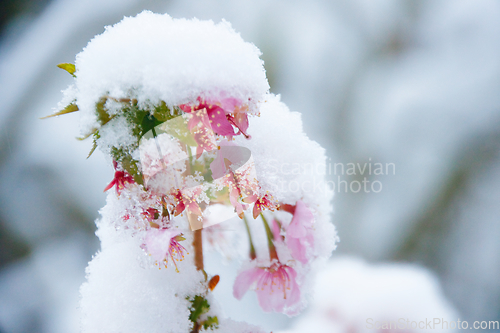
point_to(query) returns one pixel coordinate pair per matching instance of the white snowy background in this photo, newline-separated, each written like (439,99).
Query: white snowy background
(414,83)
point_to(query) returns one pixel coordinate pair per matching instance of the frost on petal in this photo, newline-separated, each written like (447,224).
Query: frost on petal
(158,242)
(229,104)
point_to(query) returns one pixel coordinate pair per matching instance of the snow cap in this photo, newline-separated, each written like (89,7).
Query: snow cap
(154,57)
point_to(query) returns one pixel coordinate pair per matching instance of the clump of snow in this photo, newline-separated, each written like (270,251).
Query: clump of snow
(353,296)
(232,326)
(153,58)
(117,133)
(162,163)
(291,167)
(122,296)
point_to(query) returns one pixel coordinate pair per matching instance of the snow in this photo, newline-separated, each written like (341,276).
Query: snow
(157,58)
(290,166)
(351,294)
(122,296)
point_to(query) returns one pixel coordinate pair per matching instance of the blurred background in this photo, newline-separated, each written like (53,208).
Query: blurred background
(411,84)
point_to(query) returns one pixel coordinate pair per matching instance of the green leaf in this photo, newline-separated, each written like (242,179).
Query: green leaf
(102,116)
(203,167)
(94,146)
(94,143)
(162,112)
(131,166)
(199,306)
(178,128)
(93,131)
(211,322)
(69,109)
(70,68)
(148,123)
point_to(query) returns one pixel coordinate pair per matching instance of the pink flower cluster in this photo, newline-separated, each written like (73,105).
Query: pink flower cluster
(212,125)
(276,287)
(163,244)
(275,283)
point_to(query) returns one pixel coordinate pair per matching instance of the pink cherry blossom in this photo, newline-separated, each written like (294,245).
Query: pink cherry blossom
(275,286)
(150,214)
(204,139)
(276,230)
(187,201)
(299,234)
(241,183)
(240,121)
(234,191)
(238,116)
(201,129)
(229,104)
(222,115)
(229,157)
(164,243)
(120,179)
(216,115)
(265,201)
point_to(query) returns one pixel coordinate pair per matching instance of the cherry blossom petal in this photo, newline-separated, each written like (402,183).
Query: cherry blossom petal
(302,218)
(229,104)
(245,280)
(298,249)
(158,242)
(276,229)
(219,122)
